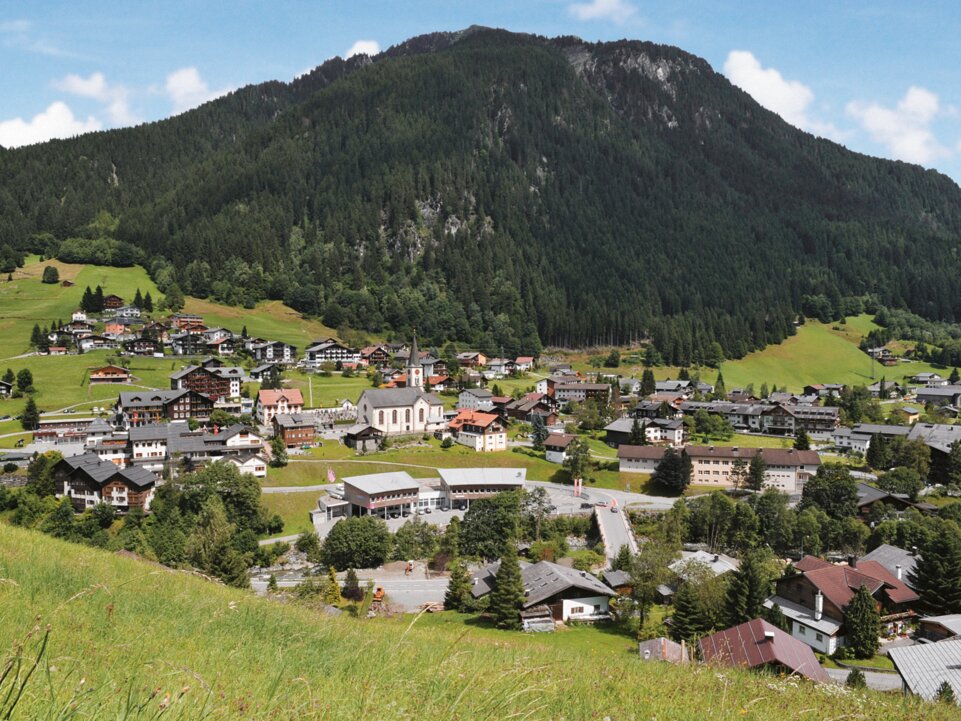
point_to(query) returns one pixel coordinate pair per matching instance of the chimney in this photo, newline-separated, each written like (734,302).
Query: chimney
(853,561)
(769,636)
(897,571)
(716,558)
(818,606)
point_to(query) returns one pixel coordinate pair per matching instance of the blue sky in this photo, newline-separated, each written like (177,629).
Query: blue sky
(882,78)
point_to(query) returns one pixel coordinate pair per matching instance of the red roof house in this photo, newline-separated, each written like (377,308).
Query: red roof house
(757,643)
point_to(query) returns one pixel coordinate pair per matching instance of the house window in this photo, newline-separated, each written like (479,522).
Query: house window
(577,609)
(819,637)
(800,630)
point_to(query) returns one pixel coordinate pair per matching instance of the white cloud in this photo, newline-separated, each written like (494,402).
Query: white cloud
(904,130)
(96,87)
(363,47)
(14,26)
(617,10)
(57,121)
(187,89)
(788,98)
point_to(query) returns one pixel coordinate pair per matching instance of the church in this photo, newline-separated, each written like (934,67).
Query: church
(403,411)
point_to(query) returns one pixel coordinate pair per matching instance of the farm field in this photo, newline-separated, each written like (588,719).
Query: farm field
(212,644)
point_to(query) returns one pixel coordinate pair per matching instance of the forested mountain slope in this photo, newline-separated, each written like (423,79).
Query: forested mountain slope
(509,190)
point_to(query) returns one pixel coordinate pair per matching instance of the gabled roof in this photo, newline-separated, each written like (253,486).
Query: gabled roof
(891,557)
(758,643)
(811,563)
(924,668)
(472,418)
(640,453)
(395,397)
(293,420)
(950,622)
(558,440)
(102,472)
(542,581)
(293,396)
(839,583)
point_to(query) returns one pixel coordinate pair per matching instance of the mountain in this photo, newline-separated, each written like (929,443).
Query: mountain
(506,190)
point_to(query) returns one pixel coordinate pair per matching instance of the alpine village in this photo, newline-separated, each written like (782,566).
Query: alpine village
(489,376)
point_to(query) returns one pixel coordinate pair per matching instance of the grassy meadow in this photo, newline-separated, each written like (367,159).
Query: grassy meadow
(93,635)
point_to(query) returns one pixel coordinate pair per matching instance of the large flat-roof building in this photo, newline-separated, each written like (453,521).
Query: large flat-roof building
(463,485)
(381,493)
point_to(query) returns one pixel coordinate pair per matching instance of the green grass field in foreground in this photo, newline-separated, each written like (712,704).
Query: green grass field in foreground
(131,640)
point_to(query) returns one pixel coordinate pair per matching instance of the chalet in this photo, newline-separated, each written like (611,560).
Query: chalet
(656,430)
(56,350)
(401,411)
(186,321)
(62,430)
(6,389)
(938,437)
(88,481)
(525,409)
(564,593)
(330,351)
(139,408)
(273,352)
(152,446)
(555,446)
(77,327)
(947,395)
(825,390)
(758,644)
(221,346)
(524,363)
(143,346)
(188,343)
(930,379)
(897,561)
(375,356)
(79,316)
(109,374)
(678,387)
(580,392)
(112,330)
(471,359)
(814,599)
(125,311)
(157,331)
(262,371)
(481,431)
(296,429)
(886,389)
(501,366)
(475,399)
(362,437)
(272,402)
(870,498)
(112,302)
(95,342)
(67,284)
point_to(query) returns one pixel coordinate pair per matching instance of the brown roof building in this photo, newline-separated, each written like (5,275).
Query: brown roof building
(758,644)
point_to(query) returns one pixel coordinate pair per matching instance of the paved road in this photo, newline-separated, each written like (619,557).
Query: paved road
(405,594)
(875,680)
(615,531)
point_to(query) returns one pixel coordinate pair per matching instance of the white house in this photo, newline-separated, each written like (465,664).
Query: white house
(401,411)
(555,447)
(475,399)
(272,402)
(483,432)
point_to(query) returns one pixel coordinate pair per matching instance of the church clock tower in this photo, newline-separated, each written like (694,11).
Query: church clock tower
(415,371)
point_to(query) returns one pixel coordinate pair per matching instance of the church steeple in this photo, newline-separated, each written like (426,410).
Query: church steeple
(415,369)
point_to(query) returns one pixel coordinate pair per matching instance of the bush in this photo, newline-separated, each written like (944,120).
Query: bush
(856,679)
(447,442)
(9,467)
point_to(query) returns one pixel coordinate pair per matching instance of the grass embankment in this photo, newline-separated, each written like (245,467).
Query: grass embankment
(129,639)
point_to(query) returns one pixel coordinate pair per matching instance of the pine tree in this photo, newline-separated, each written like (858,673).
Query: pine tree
(637,436)
(539,432)
(755,473)
(686,619)
(720,391)
(856,679)
(30,418)
(148,303)
(622,561)
(458,595)
(86,302)
(507,598)
(802,441)
(138,299)
(673,471)
(272,584)
(954,377)
(243,331)
(352,590)
(937,575)
(862,624)
(98,300)
(648,384)
(332,588)
(36,337)
(9,376)
(878,455)
(945,694)
(775,616)
(749,587)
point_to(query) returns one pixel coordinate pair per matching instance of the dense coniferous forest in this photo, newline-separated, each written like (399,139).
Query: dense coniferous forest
(504,190)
